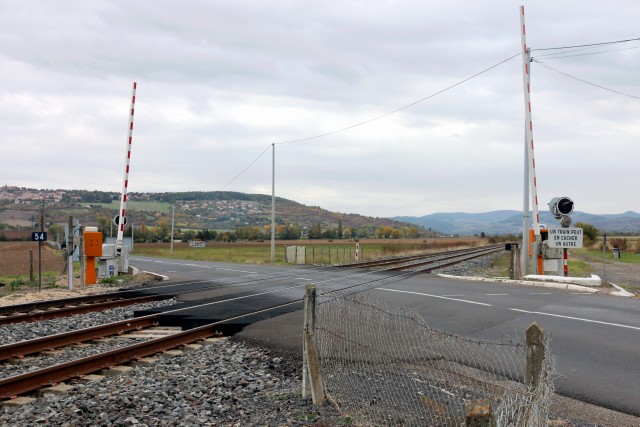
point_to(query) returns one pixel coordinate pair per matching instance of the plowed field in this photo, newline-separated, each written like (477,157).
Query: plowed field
(14,258)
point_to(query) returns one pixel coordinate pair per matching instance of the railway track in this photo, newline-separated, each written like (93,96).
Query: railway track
(428,262)
(52,309)
(30,381)
(153,344)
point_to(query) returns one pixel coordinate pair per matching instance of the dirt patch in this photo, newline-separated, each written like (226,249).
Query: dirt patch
(14,258)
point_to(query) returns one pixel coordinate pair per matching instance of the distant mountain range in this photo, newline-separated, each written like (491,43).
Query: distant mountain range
(510,222)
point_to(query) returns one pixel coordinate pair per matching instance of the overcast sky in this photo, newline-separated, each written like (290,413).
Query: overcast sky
(220,81)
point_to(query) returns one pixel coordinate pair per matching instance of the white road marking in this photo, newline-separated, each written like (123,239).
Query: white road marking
(496,295)
(237,271)
(301,278)
(539,293)
(169,262)
(577,318)
(196,265)
(453,295)
(436,296)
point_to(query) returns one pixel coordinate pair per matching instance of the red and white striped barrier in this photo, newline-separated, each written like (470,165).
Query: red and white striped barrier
(125,183)
(529,126)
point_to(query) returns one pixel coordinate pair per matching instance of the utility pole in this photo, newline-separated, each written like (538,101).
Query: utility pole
(40,248)
(273,203)
(173,216)
(604,259)
(82,259)
(526,220)
(70,253)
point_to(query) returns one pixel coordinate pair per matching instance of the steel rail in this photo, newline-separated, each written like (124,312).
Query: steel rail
(24,383)
(395,260)
(51,342)
(43,305)
(447,264)
(66,307)
(429,258)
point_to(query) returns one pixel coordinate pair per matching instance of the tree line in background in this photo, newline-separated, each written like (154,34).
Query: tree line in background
(162,232)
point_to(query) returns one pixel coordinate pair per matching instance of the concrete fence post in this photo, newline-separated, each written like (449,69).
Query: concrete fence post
(535,356)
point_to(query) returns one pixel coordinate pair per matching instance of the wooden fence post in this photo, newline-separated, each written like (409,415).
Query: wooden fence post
(311,375)
(31,266)
(518,269)
(535,356)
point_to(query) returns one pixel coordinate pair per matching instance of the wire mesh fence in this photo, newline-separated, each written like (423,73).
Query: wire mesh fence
(385,366)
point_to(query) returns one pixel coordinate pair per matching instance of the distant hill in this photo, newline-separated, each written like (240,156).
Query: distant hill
(213,210)
(510,221)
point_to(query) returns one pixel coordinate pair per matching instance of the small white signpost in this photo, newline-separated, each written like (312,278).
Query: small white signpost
(569,237)
(196,243)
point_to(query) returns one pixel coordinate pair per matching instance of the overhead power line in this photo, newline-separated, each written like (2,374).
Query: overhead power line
(587,45)
(245,169)
(401,108)
(585,81)
(371,120)
(553,55)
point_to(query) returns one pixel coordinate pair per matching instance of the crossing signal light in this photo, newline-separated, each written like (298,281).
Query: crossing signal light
(561,206)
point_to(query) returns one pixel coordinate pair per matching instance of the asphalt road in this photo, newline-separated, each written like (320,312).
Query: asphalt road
(595,338)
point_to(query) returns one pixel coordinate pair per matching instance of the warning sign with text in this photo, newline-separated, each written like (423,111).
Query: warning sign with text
(570,237)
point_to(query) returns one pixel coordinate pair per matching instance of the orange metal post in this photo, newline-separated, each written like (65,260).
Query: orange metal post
(92,249)
(90,271)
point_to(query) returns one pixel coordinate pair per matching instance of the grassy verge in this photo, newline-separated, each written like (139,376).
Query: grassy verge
(500,266)
(578,268)
(598,256)
(19,282)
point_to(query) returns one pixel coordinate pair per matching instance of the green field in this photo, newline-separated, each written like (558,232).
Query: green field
(597,255)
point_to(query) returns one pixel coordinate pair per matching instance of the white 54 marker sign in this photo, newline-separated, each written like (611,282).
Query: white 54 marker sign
(570,237)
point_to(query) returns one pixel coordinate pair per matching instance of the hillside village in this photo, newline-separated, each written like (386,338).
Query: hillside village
(225,215)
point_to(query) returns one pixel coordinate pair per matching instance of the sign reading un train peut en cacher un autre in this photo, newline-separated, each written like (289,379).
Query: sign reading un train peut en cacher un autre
(570,237)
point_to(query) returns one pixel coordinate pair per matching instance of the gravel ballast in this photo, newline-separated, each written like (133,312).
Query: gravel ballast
(223,384)
(15,332)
